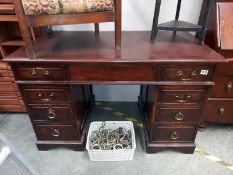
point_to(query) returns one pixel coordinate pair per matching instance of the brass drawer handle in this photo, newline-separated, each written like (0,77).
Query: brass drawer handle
(33,72)
(51,95)
(56,132)
(174,135)
(179,100)
(229,86)
(40,94)
(221,110)
(179,116)
(45,72)
(192,75)
(51,113)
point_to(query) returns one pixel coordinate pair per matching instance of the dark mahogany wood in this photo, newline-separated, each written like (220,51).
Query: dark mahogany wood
(78,59)
(55,132)
(173,134)
(186,73)
(219,37)
(177,114)
(46,94)
(40,72)
(181,95)
(221,110)
(51,113)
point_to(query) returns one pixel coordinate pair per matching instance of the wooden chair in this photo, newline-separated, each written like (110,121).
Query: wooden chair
(50,17)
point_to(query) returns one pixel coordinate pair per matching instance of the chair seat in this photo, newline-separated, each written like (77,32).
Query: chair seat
(54,7)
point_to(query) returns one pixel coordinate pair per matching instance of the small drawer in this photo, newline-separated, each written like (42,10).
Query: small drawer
(55,132)
(181,95)
(173,134)
(223,87)
(218,110)
(51,113)
(186,73)
(39,72)
(178,114)
(46,94)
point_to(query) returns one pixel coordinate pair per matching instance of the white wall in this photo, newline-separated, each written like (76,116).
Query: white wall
(137,15)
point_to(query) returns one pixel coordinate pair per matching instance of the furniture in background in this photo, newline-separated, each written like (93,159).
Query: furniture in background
(56,86)
(219,36)
(35,13)
(178,25)
(10,40)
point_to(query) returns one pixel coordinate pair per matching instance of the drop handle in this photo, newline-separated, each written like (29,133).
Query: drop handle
(179,116)
(51,113)
(46,72)
(174,135)
(56,132)
(221,110)
(192,75)
(33,72)
(184,100)
(229,86)
(51,94)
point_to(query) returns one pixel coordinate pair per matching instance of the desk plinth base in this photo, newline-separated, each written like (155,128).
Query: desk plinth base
(47,145)
(187,148)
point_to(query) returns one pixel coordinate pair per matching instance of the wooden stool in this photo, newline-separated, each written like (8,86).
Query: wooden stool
(178,25)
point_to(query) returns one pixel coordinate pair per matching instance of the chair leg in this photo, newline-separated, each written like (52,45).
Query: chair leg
(155,20)
(117,24)
(97,29)
(25,31)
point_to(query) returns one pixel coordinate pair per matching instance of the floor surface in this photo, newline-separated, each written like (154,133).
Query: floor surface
(216,140)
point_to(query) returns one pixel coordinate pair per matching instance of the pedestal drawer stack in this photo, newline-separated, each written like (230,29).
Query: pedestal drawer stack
(173,110)
(57,111)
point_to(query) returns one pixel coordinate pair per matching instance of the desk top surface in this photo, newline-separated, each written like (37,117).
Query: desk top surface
(136,47)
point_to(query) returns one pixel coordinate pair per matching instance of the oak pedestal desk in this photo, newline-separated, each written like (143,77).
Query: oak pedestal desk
(174,72)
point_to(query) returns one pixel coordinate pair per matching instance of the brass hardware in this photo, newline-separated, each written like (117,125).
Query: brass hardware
(40,94)
(51,113)
(42,71)
(180,73)
(56,132)
(179,116)
(229,86)
(221,110)
(46,72)
(192,75)
(33,72)
(179,100)
(174,135)
(51,94)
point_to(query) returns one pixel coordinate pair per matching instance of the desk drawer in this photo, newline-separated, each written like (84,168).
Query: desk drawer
(223,87)
(51,113)
(46,94)
(114,72)
(186,73)
(218,110)
(178,114)
(39,72)
(173,134)
(181,95)
(55,132)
